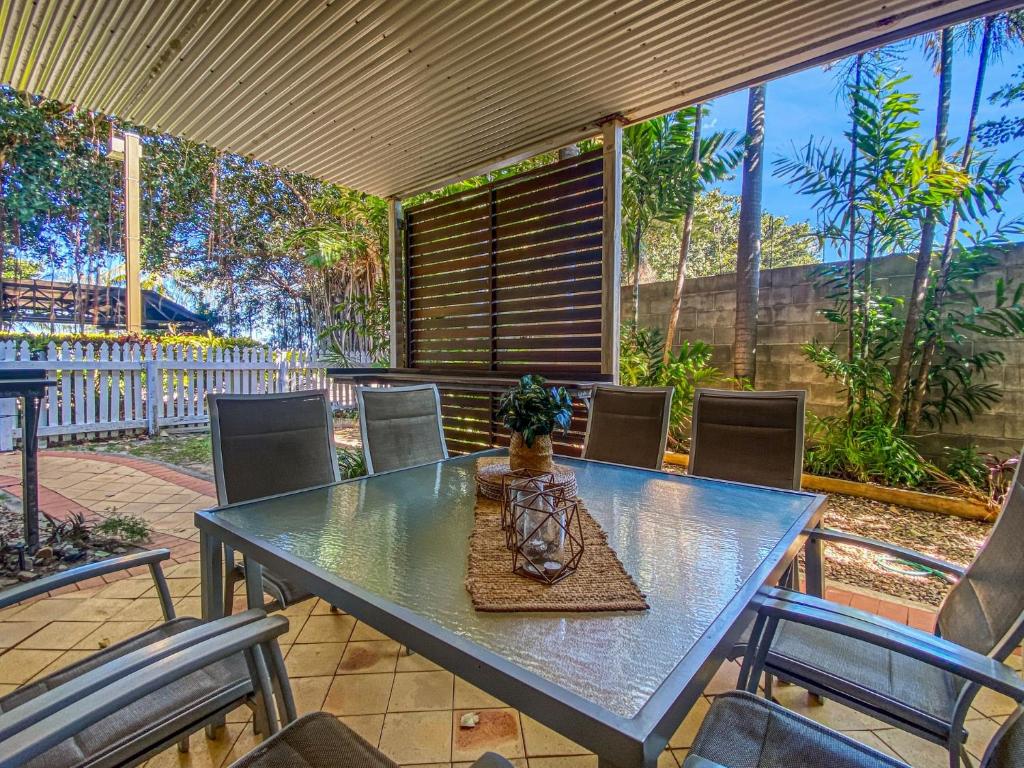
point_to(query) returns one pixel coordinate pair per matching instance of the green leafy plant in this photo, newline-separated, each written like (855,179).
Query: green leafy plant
(642,363)
(351,463)
(534,410)
(985,473)
(74,530)
(864,449)
(128,528)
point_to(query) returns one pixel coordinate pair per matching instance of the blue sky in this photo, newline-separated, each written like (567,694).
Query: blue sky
(807,103)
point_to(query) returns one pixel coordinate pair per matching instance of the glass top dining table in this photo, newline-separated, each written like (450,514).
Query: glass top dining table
(391,549)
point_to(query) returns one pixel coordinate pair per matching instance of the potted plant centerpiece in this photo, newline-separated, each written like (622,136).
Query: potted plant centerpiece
(532,411)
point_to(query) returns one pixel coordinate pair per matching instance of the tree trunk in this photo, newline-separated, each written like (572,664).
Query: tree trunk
(748,249)
(920,389)
(922,270)
(636,276)
(684,241)
(851,214)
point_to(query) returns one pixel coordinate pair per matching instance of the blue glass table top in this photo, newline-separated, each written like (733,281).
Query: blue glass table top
(691,544)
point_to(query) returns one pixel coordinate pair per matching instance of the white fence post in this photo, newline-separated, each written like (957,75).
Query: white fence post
(154,396)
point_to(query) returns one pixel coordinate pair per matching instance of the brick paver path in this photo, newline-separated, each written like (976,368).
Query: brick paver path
(407,706)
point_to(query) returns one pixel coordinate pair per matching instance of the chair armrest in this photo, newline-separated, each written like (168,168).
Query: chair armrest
(491,760)
(910,555)
(46,584)
(55,699)
(779,605)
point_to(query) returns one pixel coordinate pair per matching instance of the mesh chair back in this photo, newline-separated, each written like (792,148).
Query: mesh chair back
(269,444)
(985,610)
(748,437)
(1007,747)
(628,425)
(400,426)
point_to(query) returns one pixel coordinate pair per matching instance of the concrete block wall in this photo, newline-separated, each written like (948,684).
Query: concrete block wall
(790,306)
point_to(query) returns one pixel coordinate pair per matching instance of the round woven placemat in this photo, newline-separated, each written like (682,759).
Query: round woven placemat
(600,583)
(488,479)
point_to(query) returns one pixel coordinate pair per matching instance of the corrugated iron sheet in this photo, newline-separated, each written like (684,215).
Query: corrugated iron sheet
(391,96)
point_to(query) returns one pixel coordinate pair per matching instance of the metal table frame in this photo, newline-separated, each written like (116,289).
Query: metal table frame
(618,741)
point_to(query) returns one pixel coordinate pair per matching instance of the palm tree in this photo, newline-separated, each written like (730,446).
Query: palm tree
(748,250)
(659,177)
(998,32)
(922,268)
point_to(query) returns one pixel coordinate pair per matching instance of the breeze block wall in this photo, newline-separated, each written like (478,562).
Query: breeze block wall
(790,308)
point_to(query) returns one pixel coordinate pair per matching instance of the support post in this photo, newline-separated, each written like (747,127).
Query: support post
(133,285)
(395,250)
(611,236)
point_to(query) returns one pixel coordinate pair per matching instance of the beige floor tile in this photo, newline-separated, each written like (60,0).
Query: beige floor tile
(6,688)
(992,704)
(365,632)
(414,662)
(46,610)
(310,692)
(724,679)
(417,737)
(14,632)
(313,659)
(564,761)
(497,731)
(189,606)
(369,656)
(203,752)
(243,745)
(918,752)
(468,696)
(358,694)
(541,741)
(417,691)
(330,628)
(685,733)
(667,760)
(979,735)
(61,635)
(678,754)
(184,570)
(177,587)
(127,588)
(17,667)
(870,739)
(367,726)
(111,632)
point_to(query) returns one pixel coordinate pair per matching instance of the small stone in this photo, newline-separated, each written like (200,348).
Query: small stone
(469,720)
(27,576)
(45,554)
(61,567)
(5,582)
(103,643)
(71,554)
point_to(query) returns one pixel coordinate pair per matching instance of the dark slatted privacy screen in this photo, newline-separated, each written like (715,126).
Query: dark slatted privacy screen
(507,278)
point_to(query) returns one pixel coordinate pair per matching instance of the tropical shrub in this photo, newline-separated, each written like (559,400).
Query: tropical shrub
(642,363)
(38,342)
(128,528)
(534,410)
(351,463)
(985,473)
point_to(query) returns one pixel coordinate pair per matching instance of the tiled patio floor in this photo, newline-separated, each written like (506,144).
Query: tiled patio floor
(404,704)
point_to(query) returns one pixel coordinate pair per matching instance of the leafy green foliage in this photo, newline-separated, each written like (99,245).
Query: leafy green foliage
(351,463)
(37,342)
(533,409)
(128,528)
(983,472)
(864,449)
(72,530)
(642,364)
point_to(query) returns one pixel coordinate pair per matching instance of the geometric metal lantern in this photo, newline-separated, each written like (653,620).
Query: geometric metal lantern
(514,484)
(547,533)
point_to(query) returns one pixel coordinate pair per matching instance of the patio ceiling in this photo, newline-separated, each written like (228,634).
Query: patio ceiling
(395,96)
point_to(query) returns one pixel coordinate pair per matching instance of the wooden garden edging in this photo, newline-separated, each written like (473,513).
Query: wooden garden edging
(928,502)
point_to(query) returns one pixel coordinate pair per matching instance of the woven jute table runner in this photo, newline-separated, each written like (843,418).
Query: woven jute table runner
(600,583)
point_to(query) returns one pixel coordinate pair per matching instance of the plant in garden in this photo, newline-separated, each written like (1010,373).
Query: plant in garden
(74,530)
(534,410)
(983,472)
(351,463)
(642,363)
(130,528)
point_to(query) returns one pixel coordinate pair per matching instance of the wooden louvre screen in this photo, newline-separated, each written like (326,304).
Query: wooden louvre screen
(507,278)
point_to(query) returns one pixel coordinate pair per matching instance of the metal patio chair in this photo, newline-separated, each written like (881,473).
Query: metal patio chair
(128,708)
(400,427)
(264,445)
(983,613)
(744,731)
(320,740)
(748,437)
(628,425)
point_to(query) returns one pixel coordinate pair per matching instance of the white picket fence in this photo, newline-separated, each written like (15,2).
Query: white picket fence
(111,389)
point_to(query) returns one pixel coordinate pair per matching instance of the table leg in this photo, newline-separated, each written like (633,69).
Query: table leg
(253,583)
(814,553)
(30,472)
(211,576)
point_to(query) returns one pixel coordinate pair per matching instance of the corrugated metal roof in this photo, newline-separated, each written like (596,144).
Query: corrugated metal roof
(391,96)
